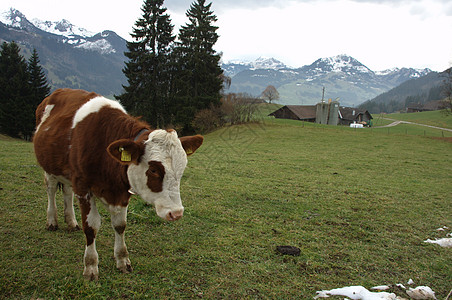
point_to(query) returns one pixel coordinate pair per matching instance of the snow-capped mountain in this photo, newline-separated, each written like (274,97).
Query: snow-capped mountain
(342,76)
(338,64)
(14,18)
(70,55)
(234,67)
(63,31)
(63,27)
(400,74)
(267,63)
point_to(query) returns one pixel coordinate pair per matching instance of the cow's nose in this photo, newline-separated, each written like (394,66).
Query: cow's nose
(174,215)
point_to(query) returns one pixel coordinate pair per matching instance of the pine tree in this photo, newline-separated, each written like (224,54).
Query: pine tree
(15,92)
(148,70)
(199,82)
(39,87)
(38,79)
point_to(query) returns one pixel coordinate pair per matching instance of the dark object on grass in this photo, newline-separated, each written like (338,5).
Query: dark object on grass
(288,250)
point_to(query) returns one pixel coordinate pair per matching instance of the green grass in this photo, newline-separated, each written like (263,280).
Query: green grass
(358,203)
(433,118)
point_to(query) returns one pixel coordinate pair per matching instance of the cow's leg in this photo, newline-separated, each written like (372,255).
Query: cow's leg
(69,214)
(91,225)
(52,184)
(118,222)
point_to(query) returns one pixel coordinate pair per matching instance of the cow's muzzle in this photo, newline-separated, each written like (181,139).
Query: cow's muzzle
(174,215)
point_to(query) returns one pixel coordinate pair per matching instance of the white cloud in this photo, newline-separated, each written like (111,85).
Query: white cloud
(381,34)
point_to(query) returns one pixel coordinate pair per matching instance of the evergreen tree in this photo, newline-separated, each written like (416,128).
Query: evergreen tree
(199,76)
(148,69)
(15,92)
(39,87)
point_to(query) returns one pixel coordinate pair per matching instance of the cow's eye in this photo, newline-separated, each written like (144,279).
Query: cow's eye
(155,169)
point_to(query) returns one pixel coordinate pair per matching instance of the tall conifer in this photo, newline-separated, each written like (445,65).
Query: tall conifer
(38,85)
(15,92)
(148,69)
(38,80)
(199,80)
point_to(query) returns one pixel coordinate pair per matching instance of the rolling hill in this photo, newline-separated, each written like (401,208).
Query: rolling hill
(71,56)
(342,76)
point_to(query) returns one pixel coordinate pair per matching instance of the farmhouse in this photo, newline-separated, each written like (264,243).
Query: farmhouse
(296,112)
(429,106)
(349,115)
(323,113)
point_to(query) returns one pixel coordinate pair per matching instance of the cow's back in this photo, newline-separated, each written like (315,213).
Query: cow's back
(54,118)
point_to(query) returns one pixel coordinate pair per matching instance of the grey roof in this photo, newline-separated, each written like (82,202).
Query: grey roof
(309,112)
(301,111)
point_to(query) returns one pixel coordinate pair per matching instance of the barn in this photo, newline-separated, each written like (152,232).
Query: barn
(309,113)
(349,115)
(296,112)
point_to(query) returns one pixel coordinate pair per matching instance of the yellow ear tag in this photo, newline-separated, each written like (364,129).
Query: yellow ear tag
(189,151)
(125,155)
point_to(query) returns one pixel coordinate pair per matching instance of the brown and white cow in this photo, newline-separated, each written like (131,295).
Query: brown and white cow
(91,146)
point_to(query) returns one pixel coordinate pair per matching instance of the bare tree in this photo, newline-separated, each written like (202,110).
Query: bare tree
(226,82)
(447,91)
(238,108)
(270,94)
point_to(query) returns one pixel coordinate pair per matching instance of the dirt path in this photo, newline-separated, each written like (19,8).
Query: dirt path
(397,122)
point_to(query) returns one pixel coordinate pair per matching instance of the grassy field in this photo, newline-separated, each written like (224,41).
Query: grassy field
(432,118)
(358,203)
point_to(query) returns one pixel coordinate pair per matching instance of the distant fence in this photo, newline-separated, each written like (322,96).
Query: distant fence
(417,130)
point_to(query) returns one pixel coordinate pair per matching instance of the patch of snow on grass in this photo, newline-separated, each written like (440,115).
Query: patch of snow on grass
(355,293)
(444,242)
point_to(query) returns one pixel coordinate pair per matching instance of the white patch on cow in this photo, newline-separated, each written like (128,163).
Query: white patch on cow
(45,115)
(119,219)
(51,183)
(93,106)
(91,262)
(164,147)
(93,218)
(69,213)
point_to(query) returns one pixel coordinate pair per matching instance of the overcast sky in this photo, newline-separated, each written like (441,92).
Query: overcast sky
(379,33)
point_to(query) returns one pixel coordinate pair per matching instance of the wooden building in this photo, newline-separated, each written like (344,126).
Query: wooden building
(296,112)
(308,113)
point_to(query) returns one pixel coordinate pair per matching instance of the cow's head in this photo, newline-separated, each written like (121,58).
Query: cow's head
(156,167)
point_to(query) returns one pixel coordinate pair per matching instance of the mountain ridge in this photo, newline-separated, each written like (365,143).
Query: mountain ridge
(343,77)
(75,57)
(70,56)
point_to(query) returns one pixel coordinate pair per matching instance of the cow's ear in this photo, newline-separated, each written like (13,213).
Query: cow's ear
(126,151)
(191,143)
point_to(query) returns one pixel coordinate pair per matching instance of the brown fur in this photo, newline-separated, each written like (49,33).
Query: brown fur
(80,154)
(89,156)
(155,175)
(54,135)
(191,143)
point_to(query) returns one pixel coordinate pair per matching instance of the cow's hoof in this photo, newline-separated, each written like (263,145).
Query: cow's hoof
(51,227)
(74,228)
(124,265)
(91,277)
(91,274)
(126,268)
